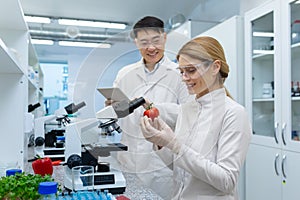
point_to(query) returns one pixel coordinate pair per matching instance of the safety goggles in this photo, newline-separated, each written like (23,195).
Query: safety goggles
(192,69)
(155,41)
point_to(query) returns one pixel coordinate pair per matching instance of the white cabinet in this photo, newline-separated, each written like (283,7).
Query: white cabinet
(271,58)
(262,182)
(15,88)
(36,81)
(272,173)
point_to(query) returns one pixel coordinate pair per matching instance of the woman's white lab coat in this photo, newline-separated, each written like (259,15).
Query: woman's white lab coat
(166,89)
(215,134)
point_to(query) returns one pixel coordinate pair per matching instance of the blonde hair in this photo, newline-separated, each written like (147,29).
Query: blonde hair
(207,48)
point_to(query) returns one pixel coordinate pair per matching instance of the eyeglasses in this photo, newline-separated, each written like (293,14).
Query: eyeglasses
(155,41)
(190,70)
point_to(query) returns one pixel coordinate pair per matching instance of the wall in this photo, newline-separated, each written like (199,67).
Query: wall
(246,5)
(230,34)
(78,61)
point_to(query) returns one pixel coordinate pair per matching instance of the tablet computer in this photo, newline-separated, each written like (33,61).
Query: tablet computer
(113,93)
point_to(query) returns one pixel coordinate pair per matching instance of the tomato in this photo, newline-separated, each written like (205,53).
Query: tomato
(151,112)
(42,166)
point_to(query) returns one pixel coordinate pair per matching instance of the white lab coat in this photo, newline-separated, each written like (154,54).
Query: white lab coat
(166,90)
(215,134)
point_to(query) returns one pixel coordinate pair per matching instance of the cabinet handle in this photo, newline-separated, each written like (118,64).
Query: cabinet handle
(275,164)
(283,132)
(275,131)
(282,166)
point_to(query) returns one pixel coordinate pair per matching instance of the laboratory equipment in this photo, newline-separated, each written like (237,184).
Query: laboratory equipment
(29,123)
(78,154)
(61,116)
(95,195)
(33,107)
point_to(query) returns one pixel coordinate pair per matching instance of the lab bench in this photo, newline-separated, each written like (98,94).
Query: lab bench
(135,190)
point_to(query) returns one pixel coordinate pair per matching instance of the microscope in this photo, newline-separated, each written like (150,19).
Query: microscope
(29,122)
(51,144)
(89,154)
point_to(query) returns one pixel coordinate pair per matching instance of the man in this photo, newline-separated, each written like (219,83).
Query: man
(155,78)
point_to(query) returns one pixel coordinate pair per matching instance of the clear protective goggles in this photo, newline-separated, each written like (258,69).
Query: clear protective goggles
(191,69)
(156,41)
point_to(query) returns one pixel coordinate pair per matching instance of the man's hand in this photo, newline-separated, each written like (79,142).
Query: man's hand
(109,102)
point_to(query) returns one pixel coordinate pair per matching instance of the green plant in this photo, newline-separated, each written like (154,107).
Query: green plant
(21,186)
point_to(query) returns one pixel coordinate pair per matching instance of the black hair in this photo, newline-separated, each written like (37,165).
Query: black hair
(148,22)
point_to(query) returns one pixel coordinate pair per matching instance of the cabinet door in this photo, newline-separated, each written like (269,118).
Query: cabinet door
(263,173)
(263,83)
(290,42)
(291,175)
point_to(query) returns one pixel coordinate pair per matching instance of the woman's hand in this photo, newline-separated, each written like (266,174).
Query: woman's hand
(159,133)
(147,104)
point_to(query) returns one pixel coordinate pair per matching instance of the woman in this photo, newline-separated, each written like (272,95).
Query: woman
(212,133)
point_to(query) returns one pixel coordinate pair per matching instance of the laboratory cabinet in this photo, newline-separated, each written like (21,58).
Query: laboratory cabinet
(17,89)
(273,174)
(272,76)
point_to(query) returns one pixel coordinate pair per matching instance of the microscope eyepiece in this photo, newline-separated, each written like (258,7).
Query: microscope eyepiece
(72,108)
(125,108)
(33,107)
(136,103)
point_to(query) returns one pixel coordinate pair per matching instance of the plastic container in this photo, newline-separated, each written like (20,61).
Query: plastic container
(95,195)
(11,172)
(48,190)
(267,90)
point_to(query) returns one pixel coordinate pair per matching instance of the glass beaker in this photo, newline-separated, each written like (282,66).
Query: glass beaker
(83,178)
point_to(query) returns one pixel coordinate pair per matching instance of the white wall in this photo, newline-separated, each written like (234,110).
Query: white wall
(231,36)
(246,5)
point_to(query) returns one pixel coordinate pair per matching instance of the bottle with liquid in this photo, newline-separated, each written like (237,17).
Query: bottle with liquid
(292,89)
(295,31)
(297,92)
(48,190)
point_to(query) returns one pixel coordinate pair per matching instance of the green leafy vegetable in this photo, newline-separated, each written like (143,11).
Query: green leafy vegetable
(21,186)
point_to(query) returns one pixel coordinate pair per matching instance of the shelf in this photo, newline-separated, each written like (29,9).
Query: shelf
(32,57)
(263,99)
(295,98)
(295,48)
(7,63)
(32,85)
(262,54)
(295,45)
(272,99)
(11,16)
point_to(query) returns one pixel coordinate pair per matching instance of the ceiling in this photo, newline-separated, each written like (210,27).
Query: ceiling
(206,13)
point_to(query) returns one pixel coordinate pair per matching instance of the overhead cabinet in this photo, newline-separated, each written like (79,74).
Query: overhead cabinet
(272,73)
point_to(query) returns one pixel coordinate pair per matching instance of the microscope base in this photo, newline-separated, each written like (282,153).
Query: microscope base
(112,181)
